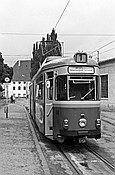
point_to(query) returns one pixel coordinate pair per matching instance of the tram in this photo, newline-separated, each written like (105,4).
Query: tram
(65,98)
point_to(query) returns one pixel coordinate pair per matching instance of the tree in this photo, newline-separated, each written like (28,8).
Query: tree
(5,70)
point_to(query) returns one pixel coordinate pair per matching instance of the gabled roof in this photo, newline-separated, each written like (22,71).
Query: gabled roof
(21,70)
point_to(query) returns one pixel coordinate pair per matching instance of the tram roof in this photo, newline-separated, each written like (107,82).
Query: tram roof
(59,61)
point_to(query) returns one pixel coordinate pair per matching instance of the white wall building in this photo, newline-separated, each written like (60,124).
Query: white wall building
(107,74)
(19,86)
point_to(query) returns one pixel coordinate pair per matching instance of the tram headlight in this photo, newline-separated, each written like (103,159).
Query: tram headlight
(98,123)
(65,124)
(82,122)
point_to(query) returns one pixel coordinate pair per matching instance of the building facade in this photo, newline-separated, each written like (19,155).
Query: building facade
(107,75)
(19,86)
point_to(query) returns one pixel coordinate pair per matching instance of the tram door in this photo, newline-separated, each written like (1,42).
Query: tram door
(49,104)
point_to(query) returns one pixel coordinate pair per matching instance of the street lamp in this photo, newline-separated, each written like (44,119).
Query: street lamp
(7,79)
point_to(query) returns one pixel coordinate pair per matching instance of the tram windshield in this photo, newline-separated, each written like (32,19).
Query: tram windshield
(81,88)
(76,88)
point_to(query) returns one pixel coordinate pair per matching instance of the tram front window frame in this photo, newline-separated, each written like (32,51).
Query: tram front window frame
(76,88)
(61,88)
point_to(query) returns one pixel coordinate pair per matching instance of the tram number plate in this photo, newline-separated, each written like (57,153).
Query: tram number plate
(82,132)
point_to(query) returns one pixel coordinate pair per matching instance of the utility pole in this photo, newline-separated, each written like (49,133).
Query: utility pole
(98,56)
(6,105)
(63,49)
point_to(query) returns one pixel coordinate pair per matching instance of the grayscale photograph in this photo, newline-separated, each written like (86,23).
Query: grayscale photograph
(57,87)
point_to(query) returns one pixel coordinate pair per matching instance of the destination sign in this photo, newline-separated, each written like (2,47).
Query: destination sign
(81,69)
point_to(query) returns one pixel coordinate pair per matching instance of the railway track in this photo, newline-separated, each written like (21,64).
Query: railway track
(95,164)
(113,124)
(80,158)
(100,157)
(76,169)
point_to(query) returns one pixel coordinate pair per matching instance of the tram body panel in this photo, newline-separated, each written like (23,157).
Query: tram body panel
(39,103)
(49,120)
(66,97)
(49,91)
(73,113)
(39,116)
(32,101)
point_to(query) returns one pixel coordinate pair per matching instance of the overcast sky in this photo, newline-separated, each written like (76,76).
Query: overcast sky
(40,16)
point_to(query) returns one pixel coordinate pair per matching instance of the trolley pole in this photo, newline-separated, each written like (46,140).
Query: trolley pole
(6,105)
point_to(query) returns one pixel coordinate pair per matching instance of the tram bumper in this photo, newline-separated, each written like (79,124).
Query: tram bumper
(89,134)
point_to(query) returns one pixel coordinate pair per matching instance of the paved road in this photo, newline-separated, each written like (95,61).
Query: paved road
(18,153)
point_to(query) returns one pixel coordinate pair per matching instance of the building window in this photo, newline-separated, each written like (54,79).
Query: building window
(104,86)
(24,82)
(14,88)
(19,95)
(19,82)
(24,87)
(19,87)
(13,82)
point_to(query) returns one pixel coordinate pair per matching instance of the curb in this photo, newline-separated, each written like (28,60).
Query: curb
(44,162)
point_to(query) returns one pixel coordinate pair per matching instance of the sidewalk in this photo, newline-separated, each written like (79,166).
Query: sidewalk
(108,116)
(108,113)
(2,102)
(18,152)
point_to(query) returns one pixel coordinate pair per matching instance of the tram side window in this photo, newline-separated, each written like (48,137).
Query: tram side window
(39,89)
(61,88)
(104,86)
(49,84)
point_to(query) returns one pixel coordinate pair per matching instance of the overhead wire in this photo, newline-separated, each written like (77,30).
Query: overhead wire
(102,46)
(87,34)
(18,33)
(61,14)
(62,34)
(64,53)
(90,52)
(75,34)
(16,55)
(107,50)
(104,51)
